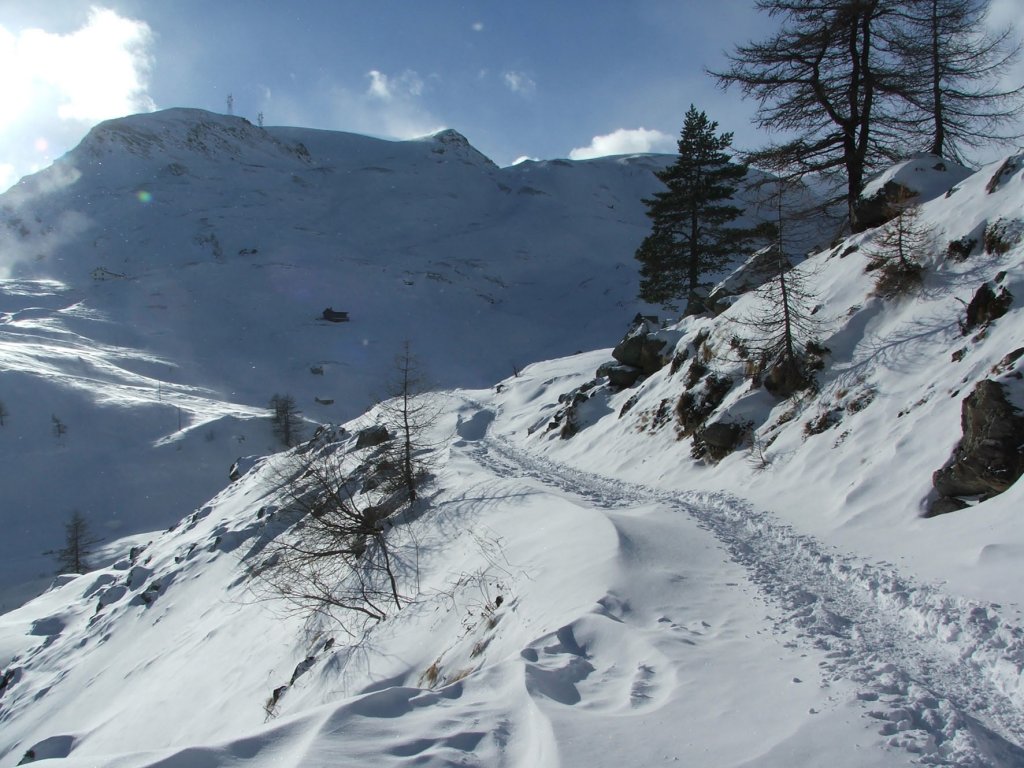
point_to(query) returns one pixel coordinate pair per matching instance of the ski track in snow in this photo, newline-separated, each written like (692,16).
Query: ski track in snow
(941,675)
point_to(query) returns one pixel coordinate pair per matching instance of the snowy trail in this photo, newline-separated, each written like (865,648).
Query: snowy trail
(941,675)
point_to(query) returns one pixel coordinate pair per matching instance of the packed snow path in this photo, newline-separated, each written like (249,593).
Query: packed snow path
(941,675)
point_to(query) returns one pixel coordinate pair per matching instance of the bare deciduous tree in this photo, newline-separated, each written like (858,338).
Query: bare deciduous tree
(285,419)
(783,325)
(953,65)
(337,549)
(898,251)
(822,77)
(74,556)
(59,428)
(409,413)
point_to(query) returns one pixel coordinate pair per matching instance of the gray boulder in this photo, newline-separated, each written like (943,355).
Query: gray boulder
(372,436)
(989,458)
(720,439)
(761,267)
(882,206)
(620,376)
(986,306)
(644,346)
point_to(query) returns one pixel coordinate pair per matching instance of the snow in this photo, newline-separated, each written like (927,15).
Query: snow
(785,606)
(167,277)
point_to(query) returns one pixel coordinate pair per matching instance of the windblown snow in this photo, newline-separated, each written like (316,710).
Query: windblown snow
(603,599)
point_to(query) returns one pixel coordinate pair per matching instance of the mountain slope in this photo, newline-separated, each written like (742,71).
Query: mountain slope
(167,277)
(603,597)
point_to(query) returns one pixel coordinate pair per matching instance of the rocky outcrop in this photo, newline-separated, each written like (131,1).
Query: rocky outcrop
(761,267)
(987,306)
(718,440)
(620,376)
(885,204)
(642,347)
(372,436)
(644,350)
(990,457)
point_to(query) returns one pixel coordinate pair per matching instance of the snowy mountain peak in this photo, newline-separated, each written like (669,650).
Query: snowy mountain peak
(453,144)
(178,133)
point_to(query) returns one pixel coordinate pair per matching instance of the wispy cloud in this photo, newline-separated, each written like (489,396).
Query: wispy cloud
(625,141)
(391,87)
(478,26)
(518,82)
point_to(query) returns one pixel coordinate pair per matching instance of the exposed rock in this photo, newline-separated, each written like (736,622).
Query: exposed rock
(882,206)
(1009,167)
(372,436)
(986,306)
(989,458)
(620,376)
(944,505)
(718,440)
(567,418)
(1007,365)
(643,347)
(761,267)
(696,405)
(960,250)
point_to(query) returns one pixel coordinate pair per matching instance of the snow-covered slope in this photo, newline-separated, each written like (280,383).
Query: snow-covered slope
(604,599)
(167,277)
(854,459)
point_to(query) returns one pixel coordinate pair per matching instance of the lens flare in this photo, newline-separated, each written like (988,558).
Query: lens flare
(42,145)
(144,196)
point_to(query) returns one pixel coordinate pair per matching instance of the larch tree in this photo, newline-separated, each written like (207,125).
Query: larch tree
(823,79)
(955,66)
(783,325)
(74,556)
(898,252)
(691,233)
(286,419)
(409,413)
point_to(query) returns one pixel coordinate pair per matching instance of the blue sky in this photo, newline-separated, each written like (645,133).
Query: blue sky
(548,79)
(518,78)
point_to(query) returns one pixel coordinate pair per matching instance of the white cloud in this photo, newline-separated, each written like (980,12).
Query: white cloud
(524,159)
(478,26)
(94,73)
(378,85)
(388,88)
(57,86)
(625,141)
(517,82)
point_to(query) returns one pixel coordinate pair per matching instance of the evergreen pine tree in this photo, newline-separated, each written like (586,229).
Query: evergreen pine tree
(691,235)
